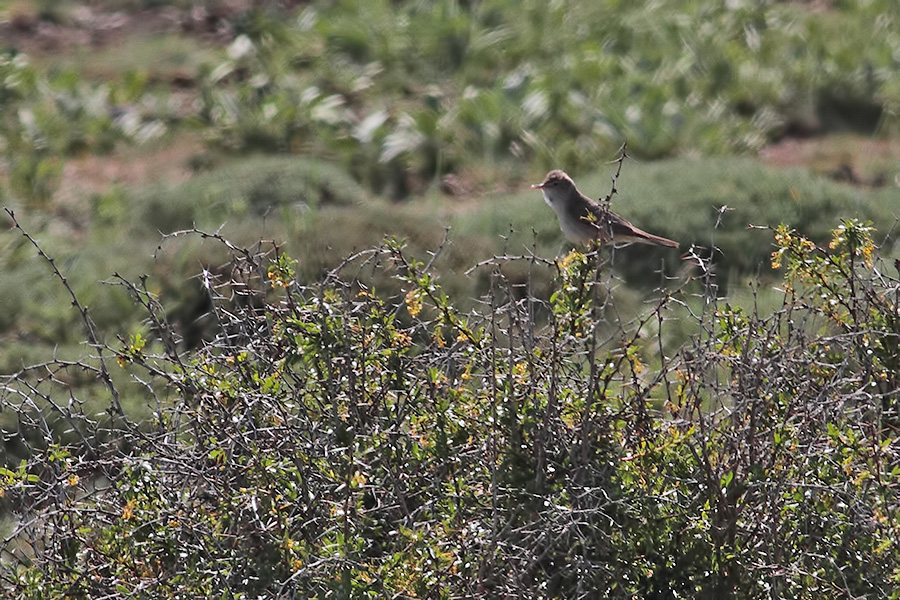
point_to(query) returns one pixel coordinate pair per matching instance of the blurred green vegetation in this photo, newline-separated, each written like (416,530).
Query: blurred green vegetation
(176,59)
(434,87)
(402,94)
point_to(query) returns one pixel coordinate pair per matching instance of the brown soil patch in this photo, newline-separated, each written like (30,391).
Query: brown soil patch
(82,25)
(132,167)
(852,158)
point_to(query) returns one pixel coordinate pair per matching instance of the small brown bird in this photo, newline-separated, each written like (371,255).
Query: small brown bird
(581,219)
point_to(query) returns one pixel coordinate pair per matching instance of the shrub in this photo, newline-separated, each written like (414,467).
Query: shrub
(332,441)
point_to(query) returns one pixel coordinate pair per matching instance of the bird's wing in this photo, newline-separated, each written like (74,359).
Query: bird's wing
(611,226)
(607,222)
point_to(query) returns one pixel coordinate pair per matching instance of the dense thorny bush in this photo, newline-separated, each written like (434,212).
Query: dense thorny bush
(333,442)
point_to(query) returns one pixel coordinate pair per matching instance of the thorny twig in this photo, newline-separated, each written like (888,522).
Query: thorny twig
(623,154)
(116,406)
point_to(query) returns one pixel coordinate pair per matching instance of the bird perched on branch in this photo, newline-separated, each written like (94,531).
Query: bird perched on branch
(582,220)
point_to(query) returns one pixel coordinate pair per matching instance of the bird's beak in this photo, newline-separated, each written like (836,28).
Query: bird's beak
(537,186)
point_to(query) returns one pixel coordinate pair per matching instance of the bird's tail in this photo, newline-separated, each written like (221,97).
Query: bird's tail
(622,231)
(640,236)
(649,238)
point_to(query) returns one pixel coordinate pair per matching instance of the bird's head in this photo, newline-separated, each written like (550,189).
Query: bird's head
(556,186)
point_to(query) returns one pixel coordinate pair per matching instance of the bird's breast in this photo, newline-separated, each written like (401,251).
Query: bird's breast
(549,200)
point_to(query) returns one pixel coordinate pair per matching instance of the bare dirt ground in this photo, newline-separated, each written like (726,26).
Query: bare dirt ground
(131,167)
(24,29)
(854,159)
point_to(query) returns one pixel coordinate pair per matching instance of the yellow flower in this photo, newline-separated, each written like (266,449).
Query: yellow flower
(414,302)
(128,510)
(400,339)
